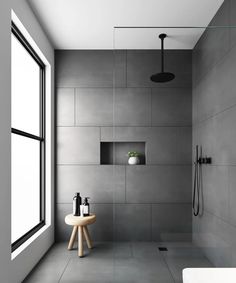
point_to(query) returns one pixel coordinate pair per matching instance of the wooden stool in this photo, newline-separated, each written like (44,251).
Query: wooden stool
(80,227)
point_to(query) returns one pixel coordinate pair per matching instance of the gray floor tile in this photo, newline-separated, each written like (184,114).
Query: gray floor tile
(118,262)
(178,258)
(145,250)
(122,250)
(89,269)
(137,270)
(50,269)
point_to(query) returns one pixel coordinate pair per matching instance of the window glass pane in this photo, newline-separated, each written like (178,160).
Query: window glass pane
(25,89)
(25,184)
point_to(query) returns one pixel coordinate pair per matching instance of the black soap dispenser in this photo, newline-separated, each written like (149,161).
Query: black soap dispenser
(86,208)
(76,204)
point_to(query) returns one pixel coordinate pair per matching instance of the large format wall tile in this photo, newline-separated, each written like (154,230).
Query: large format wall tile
(232,243)
(213,44)
(216,91)
(103,184)
(215,190)
(132,107)
(90,68)
(176,225)
(218,137)
(141,64)
(132,222)
(94,106)
(171,107)
(232,22)
(195,109)
(101,230)
(78,145)
(65,107)
(226,136)
(158,184)
(63,231)
(213,235)
(169,145)
(218,239)
(232,195)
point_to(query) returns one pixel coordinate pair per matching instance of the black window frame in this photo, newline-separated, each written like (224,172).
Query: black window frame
(41,138)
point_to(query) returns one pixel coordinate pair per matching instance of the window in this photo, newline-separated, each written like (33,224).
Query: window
(27,140)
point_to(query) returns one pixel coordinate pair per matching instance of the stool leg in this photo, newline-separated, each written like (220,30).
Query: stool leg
(72,237)
(80,240)
(87,237)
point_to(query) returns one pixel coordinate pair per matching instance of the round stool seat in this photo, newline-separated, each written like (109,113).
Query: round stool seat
(79,220)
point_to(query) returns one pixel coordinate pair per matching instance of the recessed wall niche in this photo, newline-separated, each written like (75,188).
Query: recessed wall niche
(116,152)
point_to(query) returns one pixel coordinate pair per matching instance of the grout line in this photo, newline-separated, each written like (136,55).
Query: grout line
(221,165)
(220,218)
(213,66)
(165,262)
(64,270)
(198,123)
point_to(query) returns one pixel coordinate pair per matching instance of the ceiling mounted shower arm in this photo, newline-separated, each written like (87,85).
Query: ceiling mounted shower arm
(162,77)
(162,36)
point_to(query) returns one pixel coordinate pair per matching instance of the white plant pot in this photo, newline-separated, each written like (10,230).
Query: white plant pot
(133,160)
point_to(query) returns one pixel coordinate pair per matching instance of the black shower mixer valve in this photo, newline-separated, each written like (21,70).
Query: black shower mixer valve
(204,160)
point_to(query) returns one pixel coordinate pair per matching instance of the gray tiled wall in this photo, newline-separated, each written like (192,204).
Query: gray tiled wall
(94,106)
(142,63)
(131,202)
(214,120)
(78,145)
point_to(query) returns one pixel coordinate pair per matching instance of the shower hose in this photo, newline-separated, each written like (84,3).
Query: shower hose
(196,184)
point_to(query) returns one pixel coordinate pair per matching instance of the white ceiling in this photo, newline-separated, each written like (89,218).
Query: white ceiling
(89,24)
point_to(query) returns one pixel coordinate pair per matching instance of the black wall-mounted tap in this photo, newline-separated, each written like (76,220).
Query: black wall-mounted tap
(204,160)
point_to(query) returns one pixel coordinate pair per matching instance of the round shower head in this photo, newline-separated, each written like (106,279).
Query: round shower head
(162,77)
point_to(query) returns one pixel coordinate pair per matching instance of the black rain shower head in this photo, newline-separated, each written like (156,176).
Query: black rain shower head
(162,77)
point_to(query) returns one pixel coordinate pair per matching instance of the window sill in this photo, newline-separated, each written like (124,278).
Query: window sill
(28,242)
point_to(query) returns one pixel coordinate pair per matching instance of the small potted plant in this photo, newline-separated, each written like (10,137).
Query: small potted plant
(133,157)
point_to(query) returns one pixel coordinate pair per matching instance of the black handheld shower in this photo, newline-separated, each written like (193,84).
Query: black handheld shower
(199,161)
(196,184)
